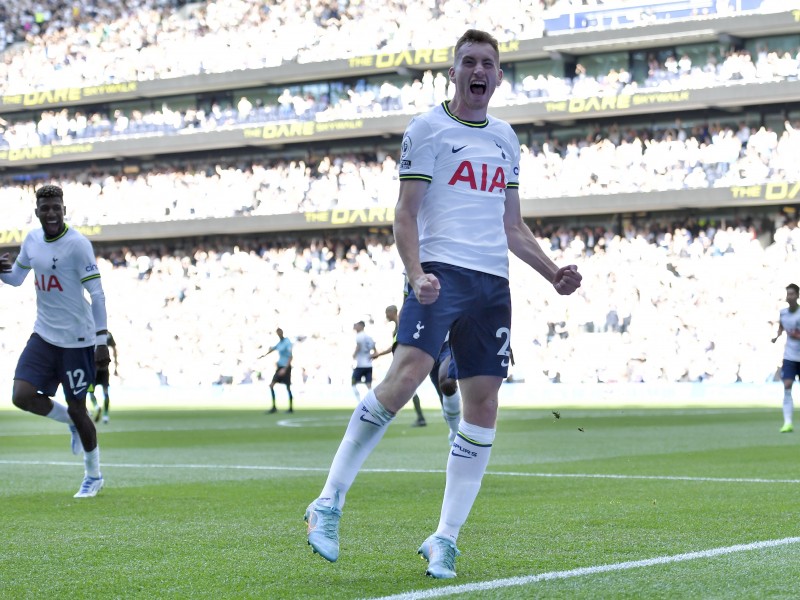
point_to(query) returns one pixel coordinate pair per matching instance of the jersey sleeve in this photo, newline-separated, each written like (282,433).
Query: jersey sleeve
(87,261)
(417,154)
(95,289)
(513,181)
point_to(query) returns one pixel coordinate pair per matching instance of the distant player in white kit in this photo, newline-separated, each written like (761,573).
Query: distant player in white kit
(363,355)
(457,216)
(69,334)
(790,323)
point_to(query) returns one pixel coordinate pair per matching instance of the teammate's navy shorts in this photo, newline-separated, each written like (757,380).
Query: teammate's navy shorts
(475,307)
(45,366)
(790,369)
(362,375)
(102,377)
(452,370)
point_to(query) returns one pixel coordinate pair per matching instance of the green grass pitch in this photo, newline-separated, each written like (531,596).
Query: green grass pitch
(616,503)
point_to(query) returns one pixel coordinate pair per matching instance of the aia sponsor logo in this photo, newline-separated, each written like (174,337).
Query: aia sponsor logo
(46,283)
(480,177)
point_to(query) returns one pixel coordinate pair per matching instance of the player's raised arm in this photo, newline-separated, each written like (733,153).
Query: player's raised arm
(524,245)
(12,272)
(406,235)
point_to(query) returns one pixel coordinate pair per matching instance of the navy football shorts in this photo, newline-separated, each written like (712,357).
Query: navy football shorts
(475,307)
(444,354)
(790,369)
(45,366)
(361,375)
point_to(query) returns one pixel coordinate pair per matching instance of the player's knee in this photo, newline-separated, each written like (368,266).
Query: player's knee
(20,402)
(23,396)
(448,387)
(404,383)
(76,412)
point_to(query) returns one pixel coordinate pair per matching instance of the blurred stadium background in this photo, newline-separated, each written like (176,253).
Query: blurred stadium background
(233,163)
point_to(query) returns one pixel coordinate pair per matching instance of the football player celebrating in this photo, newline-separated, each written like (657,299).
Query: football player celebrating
(457,216)
(69,334)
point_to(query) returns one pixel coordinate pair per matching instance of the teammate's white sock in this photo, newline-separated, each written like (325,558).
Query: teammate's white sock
(91,462)
(788,407)
(469,456)
(366,428)
(356,394)
(451,411)
(59,413)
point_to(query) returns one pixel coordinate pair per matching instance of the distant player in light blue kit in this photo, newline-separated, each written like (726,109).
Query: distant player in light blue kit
(457,216)
(283,369)
(789,320)
(69,334)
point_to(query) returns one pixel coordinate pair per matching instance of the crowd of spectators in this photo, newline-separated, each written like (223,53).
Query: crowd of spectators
(665,302)
(676,157)
(605,161)
(68,44)
(52,44)
(66,125)
(660,302)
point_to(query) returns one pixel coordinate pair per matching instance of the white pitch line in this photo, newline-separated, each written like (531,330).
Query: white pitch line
(142,430)
(496,584)
(419,471)
(333,421)
(58,463)
(654,477)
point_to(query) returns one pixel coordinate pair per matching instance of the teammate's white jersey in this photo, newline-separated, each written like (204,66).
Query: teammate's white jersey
(61,267)
(364,347)
(791,321)
(469,166)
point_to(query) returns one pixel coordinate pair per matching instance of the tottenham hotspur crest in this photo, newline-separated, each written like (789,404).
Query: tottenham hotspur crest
(420,327)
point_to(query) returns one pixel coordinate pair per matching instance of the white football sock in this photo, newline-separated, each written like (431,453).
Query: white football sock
(91,462)
(466,464)
(356,394)
(451,411)
(59,413)
(366,428)
(788,406)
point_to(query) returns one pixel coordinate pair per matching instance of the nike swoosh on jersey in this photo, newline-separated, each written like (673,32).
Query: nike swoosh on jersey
(454,149)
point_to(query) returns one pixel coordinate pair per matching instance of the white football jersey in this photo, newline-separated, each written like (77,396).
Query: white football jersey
(61,267)
(469,166)
(364,346)
(791,321)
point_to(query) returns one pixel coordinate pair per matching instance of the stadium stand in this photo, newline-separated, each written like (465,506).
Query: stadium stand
(212,169)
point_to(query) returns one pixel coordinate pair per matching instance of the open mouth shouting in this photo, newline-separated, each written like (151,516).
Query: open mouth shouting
(478,87)
(53,227)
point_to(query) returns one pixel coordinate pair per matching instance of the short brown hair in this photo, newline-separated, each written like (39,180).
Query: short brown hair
(476,36)
(49,191)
